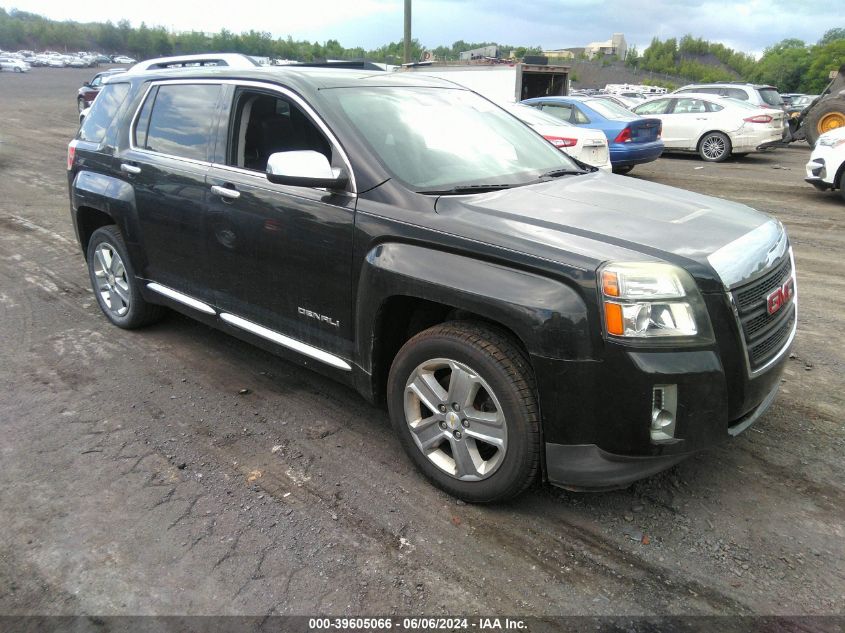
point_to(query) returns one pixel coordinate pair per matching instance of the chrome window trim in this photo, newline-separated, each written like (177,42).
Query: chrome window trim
(285,341)
(753,373)
(285,92)
(181,298)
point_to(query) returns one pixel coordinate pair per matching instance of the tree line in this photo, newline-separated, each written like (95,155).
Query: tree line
(792,65)
(21,30)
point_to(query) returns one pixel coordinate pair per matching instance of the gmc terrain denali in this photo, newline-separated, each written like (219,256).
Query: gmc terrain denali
(521,315)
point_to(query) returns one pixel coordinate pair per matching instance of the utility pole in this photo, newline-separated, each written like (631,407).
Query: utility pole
(407,31)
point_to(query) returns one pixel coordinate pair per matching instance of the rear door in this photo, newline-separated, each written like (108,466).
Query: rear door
(688,119)
(282,254)
(167,164)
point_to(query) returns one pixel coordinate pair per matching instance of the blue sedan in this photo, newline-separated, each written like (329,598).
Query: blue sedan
(632,139)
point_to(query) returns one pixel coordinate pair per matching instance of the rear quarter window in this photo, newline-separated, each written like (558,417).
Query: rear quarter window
(102,113)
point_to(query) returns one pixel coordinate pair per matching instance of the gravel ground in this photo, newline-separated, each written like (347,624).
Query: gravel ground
(136,478)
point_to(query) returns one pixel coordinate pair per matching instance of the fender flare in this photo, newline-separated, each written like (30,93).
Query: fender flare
(549,316)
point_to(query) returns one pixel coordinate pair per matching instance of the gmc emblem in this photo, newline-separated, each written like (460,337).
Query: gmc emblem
(780,296)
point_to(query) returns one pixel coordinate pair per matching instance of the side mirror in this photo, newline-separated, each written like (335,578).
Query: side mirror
(304,168)
(87,84)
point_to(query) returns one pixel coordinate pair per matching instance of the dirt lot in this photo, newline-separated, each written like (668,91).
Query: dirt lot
(135,479)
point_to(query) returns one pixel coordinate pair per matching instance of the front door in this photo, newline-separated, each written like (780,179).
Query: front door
(282,255)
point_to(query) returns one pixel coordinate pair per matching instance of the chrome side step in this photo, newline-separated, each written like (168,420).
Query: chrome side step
(181,298)
(259,330)
(286,341)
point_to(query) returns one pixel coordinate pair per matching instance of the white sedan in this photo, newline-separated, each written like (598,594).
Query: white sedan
(713,126)
(584,144)
(123,59)
(15,65)
(826,169)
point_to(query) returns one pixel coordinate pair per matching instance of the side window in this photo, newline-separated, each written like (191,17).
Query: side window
(654,107)
(96,81)
(265,123)
(737,93)
(179,121)
(142,125)
(561,111)
(580,117)
(713,107)
(102,113)
(689,106)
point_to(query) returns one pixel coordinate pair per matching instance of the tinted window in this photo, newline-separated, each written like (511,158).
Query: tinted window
(771,96)
(736,93)
(653,107)
(181,118)
(102,112)
(143,122)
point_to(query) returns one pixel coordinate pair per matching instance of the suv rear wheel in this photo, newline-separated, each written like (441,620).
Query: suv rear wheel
(114,283)
(462,400)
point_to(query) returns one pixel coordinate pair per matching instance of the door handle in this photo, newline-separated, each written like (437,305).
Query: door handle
(225,192)
(126,168)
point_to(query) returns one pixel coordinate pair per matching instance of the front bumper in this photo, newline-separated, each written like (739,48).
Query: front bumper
(588,467)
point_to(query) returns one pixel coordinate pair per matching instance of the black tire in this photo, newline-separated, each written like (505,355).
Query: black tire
(842,183)
(138,312)
(714,147)
(497,361)
(622,170)
(811,123)
(17,70)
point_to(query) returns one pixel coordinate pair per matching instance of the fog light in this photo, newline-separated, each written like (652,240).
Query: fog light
(664,405)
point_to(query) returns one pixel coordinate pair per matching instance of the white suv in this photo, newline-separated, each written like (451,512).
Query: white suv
(826,169)
(756,94)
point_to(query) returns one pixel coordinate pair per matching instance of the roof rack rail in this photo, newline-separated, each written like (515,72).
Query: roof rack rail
(232,60)
(357,64)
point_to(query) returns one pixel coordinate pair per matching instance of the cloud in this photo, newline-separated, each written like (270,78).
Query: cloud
(747,25)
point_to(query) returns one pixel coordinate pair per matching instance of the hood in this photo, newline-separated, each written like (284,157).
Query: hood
(655,221)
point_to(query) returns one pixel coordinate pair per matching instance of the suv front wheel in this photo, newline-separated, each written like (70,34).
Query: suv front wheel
(114,283)
(463,402)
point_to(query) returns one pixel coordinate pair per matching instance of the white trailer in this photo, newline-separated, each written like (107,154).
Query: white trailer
(502,83)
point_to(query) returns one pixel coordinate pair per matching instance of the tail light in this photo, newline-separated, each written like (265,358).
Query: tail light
(560,141)
(71,154)
(760,118)
(624,136)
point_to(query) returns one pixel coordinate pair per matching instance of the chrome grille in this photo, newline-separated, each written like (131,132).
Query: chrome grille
(764,334)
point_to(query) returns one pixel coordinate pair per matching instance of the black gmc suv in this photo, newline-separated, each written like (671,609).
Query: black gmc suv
(522,315)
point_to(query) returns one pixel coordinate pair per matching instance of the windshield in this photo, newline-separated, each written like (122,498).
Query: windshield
(436,138)
(610,110)
(771,96)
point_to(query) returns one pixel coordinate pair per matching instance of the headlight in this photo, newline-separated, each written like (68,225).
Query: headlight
(645,300)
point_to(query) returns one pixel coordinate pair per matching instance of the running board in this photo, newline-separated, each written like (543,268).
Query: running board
(170,293)
(286,341)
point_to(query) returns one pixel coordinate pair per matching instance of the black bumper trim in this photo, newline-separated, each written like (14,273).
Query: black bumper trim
(587,467)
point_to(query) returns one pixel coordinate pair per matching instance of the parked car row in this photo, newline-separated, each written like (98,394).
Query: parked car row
(52,59)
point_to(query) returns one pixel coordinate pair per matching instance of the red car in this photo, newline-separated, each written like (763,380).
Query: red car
(85,95)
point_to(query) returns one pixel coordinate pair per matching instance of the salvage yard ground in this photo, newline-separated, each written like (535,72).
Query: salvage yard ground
(176,470)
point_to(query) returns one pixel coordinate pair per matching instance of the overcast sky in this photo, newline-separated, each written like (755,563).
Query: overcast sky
(747,25)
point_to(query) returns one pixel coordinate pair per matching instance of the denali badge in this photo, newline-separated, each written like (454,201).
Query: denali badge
(320,317)
(779,297)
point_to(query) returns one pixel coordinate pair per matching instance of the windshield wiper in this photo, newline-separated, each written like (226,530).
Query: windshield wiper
(557,173)
(466,189)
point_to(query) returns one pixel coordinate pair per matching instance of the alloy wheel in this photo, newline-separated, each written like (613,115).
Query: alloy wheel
(455,419)
(713,147)
(112,281)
